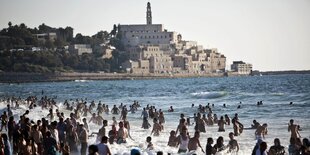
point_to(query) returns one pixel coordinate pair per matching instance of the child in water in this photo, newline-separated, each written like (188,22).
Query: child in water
(149,143)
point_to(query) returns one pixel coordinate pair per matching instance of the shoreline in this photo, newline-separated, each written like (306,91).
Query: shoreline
(14,77)
(24,77)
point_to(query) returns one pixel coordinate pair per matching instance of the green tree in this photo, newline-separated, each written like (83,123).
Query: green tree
(49,44)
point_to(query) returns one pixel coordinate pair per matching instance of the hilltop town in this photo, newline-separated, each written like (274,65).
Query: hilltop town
(139,49)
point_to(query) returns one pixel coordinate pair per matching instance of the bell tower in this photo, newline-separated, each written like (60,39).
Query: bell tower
(148,14)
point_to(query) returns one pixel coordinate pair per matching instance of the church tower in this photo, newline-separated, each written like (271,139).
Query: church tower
(148,14)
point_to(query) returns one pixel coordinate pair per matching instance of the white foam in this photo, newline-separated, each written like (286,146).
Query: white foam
(277,128)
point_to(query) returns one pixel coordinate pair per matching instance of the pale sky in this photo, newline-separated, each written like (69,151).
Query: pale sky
(270,34)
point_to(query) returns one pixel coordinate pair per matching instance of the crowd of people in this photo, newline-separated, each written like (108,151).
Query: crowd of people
(57,134)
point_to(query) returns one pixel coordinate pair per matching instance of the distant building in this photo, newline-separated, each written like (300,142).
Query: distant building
(144,52)
(152,49)
(106,50)
(46,36)
(137,67)
(146,34)
(160,64)
(80,49)
(217,60)
(241,67)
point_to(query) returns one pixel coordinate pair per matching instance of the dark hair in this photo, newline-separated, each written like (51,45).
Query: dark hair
(210,140)
(4,136)
(262,147)
(48,134)
(94,148)
(148,139)
(277,140)
(219,141)
(159,153)
(104,139)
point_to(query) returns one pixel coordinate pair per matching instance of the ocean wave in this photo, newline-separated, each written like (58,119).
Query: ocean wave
(209,95)
(82,80)
(277,94)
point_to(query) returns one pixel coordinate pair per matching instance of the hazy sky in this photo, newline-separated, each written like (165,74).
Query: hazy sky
(270,34)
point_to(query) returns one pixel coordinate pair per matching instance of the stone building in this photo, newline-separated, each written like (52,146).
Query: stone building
(137,67)
(146,34)
(155,50)
(217,60)
(160,64)
(241,67)
(148,57)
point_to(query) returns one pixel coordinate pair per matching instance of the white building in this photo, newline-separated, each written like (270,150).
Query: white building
(241,67)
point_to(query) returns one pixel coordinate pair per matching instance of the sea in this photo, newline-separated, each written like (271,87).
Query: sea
(275,92)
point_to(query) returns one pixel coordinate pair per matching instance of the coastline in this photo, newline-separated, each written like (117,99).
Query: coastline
(24,77)
(18,77)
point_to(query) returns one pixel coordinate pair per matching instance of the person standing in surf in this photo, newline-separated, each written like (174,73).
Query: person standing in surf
(233,144)
(221,124)
(293,128)
(194,142)
(122,133)
(183,140)
(156,128)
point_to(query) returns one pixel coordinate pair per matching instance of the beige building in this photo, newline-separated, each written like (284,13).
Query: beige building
(241,67)
(137,67)
(106,50)
(144,52)
(217,60)
(155,50)
(160,64)
(194,64)
(150,59)
(146,34)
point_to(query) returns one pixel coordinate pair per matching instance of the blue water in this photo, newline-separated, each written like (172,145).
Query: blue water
(275,91)
(229,90)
